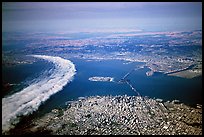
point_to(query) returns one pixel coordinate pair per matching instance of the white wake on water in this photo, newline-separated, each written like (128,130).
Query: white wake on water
(30,98)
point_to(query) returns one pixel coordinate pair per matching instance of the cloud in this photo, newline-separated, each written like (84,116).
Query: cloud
(73,10)
(29,99)
(65,15)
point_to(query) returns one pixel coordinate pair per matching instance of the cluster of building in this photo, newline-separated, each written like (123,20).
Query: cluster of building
(122,115)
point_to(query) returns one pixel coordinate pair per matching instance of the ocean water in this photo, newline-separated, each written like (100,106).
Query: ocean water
(188,91)
(24,74)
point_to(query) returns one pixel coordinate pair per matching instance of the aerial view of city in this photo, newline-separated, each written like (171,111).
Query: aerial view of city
(102,68)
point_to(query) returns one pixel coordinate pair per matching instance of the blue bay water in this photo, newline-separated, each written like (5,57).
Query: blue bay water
(161,86)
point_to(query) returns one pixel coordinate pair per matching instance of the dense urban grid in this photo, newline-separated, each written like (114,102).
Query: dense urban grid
(118,115)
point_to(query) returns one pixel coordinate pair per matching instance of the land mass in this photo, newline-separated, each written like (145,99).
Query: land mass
(118,115)
(164,52)
(187,73)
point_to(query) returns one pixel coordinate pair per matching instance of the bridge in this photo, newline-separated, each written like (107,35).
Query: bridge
(128,82)
(123,79)
(143,99)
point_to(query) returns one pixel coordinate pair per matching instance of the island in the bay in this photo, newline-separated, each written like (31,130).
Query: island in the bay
(107,79)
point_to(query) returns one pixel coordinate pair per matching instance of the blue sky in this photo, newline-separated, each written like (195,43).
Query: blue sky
(53,16)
